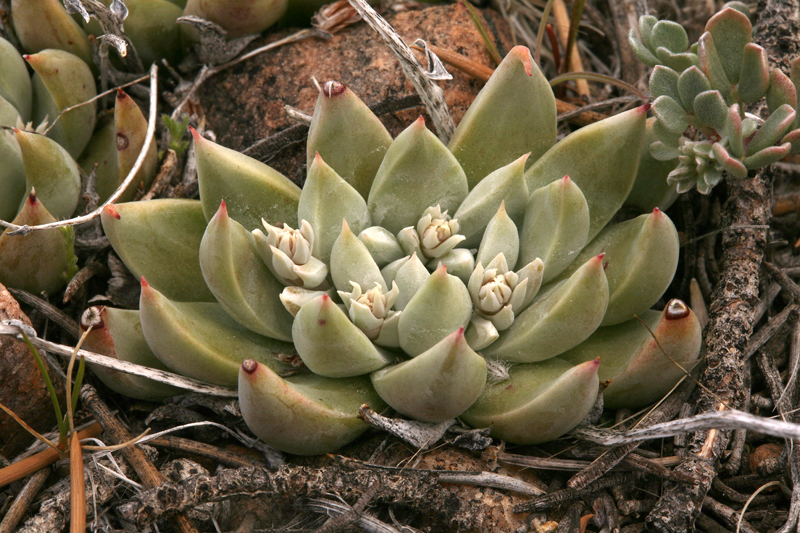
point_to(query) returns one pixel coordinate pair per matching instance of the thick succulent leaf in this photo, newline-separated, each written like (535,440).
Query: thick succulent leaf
(640,49)
(131,133)
(670,35)
(304,414)
(327,199)
(709,62)
(102,150)
(15,84)
(480,333)
(251,189)
(438,384)
(238,18)
(670,114)
(43,261)
(664,82)
(459,262)
(597,158)
(294,298)
(410,276)
(731,30)
(651,189)
(646,23)
(12,176)
(776,126)
(641,256)
(331,345)
(151,237)
(514,114)
(8,113)
(119,336)
(733,131)
(640,373)
(728,162)
(64,80)
(711,109)
(351,139)
(793,138)
(239,279)
(781,91)
(660,152)
(42,24)
(51,171)
(382,245)
(403,188)
(560,318)
(352,262)
(676,61)
(439,307)
(506,184)
(754,79)
(556,226)
(540,402)
(200,340)
(691,83)
(767,156)
(501,237)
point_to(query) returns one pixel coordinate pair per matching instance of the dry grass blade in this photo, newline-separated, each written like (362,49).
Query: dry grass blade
(77,492)
(31,464)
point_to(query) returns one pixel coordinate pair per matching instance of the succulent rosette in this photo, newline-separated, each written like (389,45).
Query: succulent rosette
(415,264)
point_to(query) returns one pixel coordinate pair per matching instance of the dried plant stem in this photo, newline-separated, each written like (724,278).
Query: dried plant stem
(27,466)
(431,94)
(23,500)
(574,59)
(77,487)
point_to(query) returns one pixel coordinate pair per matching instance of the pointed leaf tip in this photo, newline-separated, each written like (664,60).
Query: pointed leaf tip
(524,55)
(144,283)
(111,210)
(121,95)
(249,366)
(644,108)
(676,310)
(333,88)
(196,136)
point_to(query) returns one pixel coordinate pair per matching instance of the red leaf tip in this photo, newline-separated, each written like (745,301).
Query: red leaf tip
(111,210)
(249,366)
(144,283)
(676,309)
(333,88)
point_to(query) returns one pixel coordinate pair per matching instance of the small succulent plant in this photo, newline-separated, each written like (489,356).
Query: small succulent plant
(479,279)
(700,96)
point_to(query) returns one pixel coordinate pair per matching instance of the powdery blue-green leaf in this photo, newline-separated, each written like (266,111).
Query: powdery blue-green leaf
(201,341)
(501,237)
(119,336)
(678,62)
(540,402)
(417,172)
(793,138)
(151,237)
(12,176)
(641,50)
(646,23)
(639,371)
(348,136)
(459,262)
(410,275)
(352,262)
(754,79)
(382,245)
(561,316)
(327,199)
(597,158)
(710,108)
(556,226)
(240,280)
(691,83)
(43,261)
(506,184)
(438,384)
(439,307)
(514,114)
(731,30)
(670,114)
(15,84)
(251,189)
(651,189)
(776,126)
(733,131)
(331,345)
(51,171)
(304,414)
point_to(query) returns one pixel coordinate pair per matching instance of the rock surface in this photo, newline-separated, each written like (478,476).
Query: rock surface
(246,103)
